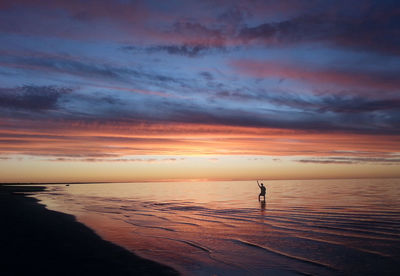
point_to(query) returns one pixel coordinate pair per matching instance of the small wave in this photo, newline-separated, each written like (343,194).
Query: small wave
(149,226)
(188,208)
(159,203)
(234,211)
(102,210)
(193,244)
(359,233)
(186,223)
(151,215)
(292,257)
(196,246)
(229,218)
(327,229)
(208,220)
(115,200)
(332,242)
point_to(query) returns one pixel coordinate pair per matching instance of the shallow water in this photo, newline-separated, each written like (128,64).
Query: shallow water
(318,227)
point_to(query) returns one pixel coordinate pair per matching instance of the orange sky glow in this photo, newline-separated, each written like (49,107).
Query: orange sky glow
(187,151)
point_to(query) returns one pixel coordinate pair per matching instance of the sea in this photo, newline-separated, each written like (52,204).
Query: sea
(304,227)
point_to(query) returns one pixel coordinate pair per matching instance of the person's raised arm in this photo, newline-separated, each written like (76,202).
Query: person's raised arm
(258,184)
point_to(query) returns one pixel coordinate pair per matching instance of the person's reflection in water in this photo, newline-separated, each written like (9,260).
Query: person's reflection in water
(262,205)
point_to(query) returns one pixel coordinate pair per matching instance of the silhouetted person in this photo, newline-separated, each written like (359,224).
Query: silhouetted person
(263,190)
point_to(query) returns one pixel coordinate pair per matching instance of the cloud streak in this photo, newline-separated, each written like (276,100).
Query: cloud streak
(336,76)
(351,160)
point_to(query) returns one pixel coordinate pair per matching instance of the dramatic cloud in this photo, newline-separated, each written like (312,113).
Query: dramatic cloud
(105,80)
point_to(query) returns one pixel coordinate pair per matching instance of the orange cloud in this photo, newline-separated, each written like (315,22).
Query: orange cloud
(97,140)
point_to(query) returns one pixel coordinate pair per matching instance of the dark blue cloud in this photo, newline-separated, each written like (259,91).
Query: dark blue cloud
(32,98)
(335,103)
(375,28)
(183,50)
(207,75)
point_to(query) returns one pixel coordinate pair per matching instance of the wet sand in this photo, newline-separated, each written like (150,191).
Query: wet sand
(37,241)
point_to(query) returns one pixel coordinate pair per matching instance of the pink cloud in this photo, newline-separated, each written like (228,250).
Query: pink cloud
(308,74)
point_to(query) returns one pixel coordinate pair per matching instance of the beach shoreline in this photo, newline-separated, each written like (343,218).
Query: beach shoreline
(38,241)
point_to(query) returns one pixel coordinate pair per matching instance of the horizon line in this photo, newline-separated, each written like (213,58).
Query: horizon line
(188,180)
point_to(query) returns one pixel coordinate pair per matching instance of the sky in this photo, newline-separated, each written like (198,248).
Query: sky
(102,90)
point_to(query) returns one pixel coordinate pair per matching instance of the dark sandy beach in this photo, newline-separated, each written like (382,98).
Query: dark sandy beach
(36,241)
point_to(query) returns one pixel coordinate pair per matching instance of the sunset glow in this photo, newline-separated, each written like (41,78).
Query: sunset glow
(158,90)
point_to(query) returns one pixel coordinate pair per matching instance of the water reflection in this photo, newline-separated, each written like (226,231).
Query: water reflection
(262,205)
(310,227)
